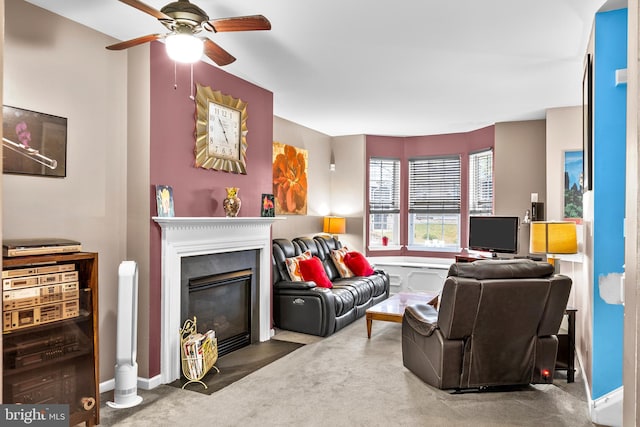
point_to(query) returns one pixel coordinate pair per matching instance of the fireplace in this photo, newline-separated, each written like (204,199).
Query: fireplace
(222,303)
(219,290)
(184,237)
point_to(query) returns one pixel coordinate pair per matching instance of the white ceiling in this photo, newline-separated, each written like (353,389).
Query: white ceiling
(391,67)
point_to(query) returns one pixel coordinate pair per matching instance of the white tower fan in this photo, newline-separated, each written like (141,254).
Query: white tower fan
(126,390)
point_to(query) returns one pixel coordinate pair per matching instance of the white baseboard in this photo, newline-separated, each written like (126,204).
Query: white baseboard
(149,383)
(143,383)
(607,410)
(107,385)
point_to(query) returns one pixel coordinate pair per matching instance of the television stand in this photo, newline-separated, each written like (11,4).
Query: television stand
(468,258)
(471,258)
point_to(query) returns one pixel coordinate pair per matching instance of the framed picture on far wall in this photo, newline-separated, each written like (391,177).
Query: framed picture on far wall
(573,182)
(33,143)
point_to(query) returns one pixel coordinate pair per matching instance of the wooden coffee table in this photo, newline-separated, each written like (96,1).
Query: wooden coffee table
(392,309)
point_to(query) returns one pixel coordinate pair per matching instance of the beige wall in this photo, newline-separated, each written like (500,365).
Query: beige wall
(340,192)
(139,188)
(564,133)
(519,170)
(348,187)
(318,146)
(55,66)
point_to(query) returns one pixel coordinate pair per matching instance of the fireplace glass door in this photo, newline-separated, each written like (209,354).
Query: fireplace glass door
(222,302)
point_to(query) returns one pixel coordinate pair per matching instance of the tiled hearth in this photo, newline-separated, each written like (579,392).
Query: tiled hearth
(188,236)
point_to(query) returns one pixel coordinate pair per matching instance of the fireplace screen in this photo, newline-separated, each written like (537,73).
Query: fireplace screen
(222,302)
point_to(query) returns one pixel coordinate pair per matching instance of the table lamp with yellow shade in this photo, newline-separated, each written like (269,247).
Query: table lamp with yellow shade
(553,238)
(334,225)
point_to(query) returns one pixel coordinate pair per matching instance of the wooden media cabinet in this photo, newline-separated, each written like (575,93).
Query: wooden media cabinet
(50,333)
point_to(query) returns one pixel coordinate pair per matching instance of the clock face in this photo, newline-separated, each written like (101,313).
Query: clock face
(223,131)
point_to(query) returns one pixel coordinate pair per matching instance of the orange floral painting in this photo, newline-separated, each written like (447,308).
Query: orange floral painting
(290,179)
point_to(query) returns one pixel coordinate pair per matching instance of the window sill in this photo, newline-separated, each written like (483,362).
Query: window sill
(412,262)
(433,249)
(385,248)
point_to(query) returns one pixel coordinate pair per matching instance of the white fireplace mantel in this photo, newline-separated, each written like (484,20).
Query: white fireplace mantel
(192,236)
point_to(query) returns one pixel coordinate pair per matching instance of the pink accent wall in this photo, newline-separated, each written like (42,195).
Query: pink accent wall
(197,191)
(404,148)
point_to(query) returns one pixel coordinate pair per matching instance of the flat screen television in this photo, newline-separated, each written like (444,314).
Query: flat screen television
(496,234)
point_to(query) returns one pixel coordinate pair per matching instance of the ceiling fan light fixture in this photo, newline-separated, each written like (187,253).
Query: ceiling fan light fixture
(184,48)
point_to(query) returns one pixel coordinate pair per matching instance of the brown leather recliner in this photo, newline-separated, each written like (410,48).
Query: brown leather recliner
(495,326)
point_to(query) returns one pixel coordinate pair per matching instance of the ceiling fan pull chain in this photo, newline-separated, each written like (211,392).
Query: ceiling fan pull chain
(191,97)
(175,78)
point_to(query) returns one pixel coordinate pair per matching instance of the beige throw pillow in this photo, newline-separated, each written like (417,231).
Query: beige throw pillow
(337,256)
(294,268)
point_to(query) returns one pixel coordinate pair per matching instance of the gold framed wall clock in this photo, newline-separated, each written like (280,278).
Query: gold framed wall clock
(221,131)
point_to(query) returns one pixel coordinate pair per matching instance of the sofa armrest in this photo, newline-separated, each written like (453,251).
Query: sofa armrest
(310,311)
(422,318)
(287,284)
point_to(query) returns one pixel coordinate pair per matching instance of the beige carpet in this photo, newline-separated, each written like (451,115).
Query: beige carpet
(349,380)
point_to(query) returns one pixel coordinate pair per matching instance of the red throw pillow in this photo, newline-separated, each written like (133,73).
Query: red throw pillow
(358,264)
(313,270)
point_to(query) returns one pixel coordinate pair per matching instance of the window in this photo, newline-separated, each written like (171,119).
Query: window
(425,208)
(481,183)
(384,201)
(434,203)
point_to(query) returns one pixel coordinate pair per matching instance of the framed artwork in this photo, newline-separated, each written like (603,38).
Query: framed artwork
(268,208)
(587,123)
(290,179)
(573,182)
(33,143)
(221,131)
(164,200)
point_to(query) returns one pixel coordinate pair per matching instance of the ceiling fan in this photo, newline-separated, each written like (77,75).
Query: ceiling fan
(185,21)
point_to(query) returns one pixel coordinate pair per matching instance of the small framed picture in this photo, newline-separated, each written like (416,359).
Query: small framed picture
(267,208)
(164,200)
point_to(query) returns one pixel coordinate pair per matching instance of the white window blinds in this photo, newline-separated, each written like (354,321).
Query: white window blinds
(481,183)
(434,185)
(384,185)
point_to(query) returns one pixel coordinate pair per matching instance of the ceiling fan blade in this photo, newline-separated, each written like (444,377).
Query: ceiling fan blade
(147,9)
(217,54)
(240,23)
(134,42)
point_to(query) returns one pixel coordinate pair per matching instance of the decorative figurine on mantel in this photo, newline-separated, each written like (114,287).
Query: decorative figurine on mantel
(232,202)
